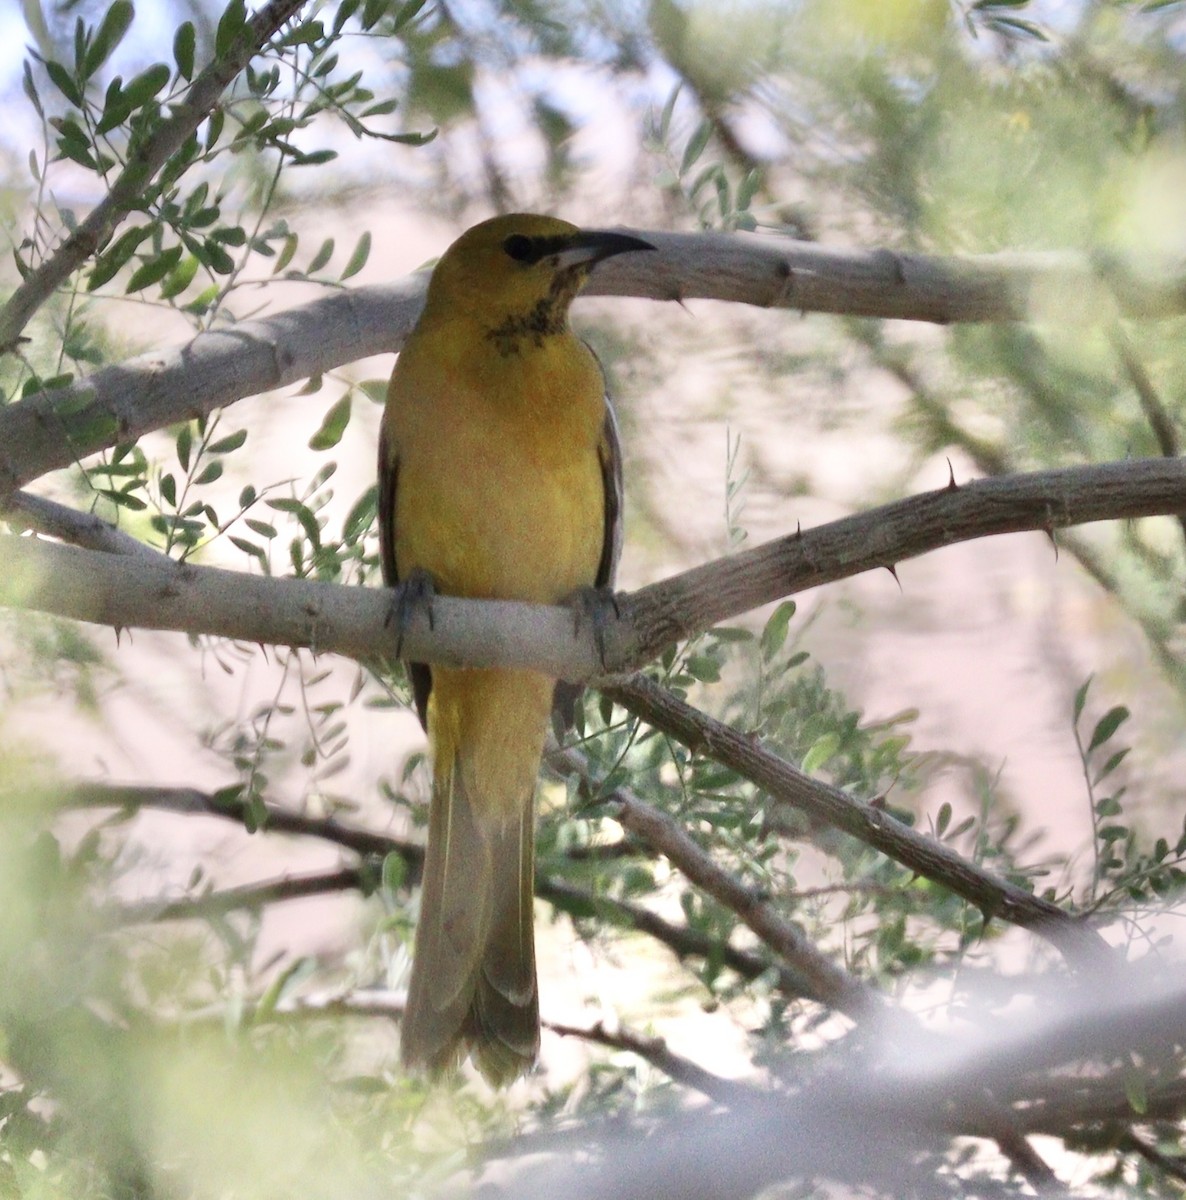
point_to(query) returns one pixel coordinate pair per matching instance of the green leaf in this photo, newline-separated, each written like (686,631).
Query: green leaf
(359,257)
(231,442)
(395,871)
(375,390)
(695,147)
(359,518)
(322,256)
(184,41)
(1111,764)
(774,635)
(346,9)
(287,251)
(215,257)
(185,441)
(333,425)
(64,82)
(1081,698)
(231,26)
(108,263)
(169,490)
(261,527)
(182,276)
(154,270)
(664,126)
(256,552)
(372,12)
(820,752)
(303,514)
(1107,725)
(123,499)
(145,86)
(209,473)
(110,33)
(943,819)
(407,13)
(703,668)
(31,89)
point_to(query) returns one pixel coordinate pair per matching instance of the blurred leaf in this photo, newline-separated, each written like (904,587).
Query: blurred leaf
(333,425)
(1107,726)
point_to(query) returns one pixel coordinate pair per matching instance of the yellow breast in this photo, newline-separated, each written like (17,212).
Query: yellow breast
(500,492)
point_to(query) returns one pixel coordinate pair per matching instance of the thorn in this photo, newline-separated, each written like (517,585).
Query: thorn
(798,531)
(893,570)
(1049,531)
(878,802)
(952,486)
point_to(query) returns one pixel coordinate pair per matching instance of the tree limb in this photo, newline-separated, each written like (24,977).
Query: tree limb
(128,189)
(50,430)
(124,592)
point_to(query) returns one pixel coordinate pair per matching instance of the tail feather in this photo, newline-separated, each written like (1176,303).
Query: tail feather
(473,986)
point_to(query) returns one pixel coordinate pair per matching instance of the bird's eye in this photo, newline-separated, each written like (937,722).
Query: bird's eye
(519,248)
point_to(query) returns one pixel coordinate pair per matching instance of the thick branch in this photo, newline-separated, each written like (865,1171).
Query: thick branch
(127,592)
(123,402)
(127,192)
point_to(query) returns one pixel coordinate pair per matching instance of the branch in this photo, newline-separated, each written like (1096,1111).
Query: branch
(356,622)
(656,1051)
(36,514)
(820,977)
(869,824)
(248,896)
(192,802)
(682,940)
(51,430)
(127,192)
(389,1005)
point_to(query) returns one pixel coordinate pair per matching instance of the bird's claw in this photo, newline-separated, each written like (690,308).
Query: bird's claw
(599,607)
(413,597)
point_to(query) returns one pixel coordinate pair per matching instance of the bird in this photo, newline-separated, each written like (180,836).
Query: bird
(500,477)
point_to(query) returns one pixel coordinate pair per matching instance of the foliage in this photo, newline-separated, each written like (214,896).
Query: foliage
(200,1061)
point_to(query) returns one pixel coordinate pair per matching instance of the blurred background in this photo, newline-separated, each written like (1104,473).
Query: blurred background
(942,126)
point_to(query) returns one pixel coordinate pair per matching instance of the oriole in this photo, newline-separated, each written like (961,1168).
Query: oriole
(499,478)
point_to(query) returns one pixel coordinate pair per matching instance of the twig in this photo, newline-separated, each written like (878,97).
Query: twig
(129,186)
(656,1051)
(193,802)
(249,896)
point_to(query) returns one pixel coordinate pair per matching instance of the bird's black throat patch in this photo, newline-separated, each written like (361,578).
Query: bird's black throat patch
(547,317)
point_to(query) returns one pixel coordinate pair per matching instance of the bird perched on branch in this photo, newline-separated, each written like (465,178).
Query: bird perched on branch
(499,478)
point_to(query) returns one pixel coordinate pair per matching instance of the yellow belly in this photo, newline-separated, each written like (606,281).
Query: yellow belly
(500,492)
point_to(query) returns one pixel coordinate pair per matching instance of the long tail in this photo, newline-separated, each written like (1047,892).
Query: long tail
(473,977)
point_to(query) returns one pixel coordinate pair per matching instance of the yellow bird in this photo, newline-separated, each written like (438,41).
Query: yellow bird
(499,478)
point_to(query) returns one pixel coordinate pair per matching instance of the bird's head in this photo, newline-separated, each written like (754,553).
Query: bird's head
(516,275)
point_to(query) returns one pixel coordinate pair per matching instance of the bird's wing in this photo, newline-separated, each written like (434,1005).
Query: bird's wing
(609,451)
(418,673)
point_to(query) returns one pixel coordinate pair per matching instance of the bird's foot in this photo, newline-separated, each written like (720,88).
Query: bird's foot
(413,598)
(598,607)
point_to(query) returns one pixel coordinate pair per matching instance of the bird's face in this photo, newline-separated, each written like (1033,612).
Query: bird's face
(517,274)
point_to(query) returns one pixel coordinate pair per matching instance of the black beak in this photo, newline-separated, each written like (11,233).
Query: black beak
(591,246)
